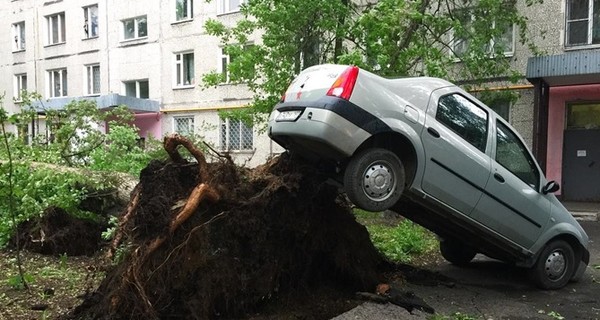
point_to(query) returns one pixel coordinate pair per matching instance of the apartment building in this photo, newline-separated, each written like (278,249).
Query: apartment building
(147,55)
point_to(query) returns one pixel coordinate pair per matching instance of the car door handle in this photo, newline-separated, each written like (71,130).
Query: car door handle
(433,132)
(498,177)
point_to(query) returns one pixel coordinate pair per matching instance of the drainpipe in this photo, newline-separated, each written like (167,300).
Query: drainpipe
(540,121)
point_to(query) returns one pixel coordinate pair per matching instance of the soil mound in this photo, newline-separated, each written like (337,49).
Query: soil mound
(219,241)
(57,232)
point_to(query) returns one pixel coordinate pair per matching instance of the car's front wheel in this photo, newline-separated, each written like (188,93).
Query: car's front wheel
(456,252)
(555,266)
(374,179)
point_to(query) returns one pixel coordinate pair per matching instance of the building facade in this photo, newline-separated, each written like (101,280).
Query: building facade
(147,55)
(566,107)
(151,55)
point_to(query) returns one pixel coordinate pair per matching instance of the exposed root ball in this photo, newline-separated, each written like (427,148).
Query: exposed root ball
(254,235)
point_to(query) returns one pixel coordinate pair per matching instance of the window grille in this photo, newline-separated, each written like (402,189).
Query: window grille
(184,125)
(236,136)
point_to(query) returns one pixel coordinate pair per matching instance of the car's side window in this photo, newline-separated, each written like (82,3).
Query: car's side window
(464,118)
(513,155)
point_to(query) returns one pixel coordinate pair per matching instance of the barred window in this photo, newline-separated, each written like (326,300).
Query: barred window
(235,135)
(184,125)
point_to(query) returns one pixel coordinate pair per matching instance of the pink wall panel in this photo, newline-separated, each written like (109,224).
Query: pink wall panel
(149,124)
(559,97)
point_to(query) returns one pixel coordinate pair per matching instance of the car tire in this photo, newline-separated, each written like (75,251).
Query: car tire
(456,252)
(554,267)
(374,179)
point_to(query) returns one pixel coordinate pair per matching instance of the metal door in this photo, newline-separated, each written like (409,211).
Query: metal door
(581,165)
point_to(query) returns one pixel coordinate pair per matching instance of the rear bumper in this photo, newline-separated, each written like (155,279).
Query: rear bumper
(317,133)
(328,128)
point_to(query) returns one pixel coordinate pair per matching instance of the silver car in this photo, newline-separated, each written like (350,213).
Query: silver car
(435,154)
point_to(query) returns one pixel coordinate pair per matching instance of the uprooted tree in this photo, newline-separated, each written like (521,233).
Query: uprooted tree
(215,239)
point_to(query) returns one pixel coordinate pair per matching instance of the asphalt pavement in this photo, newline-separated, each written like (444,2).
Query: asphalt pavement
(489,289)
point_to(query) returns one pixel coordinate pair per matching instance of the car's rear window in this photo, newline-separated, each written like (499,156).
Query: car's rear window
(464,118)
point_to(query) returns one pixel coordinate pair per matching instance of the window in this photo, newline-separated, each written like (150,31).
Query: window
(583,22)
(184,69)
(184,125)
(583,116)
(19,85)
(465,118)
(184,10)
(226,6)
(503,43)
(135,28)
(56,28)
(513,155)
(226,60)
(57,83)
(19,35)
(235,135)
(90,24)
(93,79)
(137,88)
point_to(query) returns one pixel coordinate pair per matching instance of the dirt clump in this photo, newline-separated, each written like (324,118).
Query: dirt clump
(57,232)
(214,240)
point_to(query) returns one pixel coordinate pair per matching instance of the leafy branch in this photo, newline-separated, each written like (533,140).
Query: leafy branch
(11,200)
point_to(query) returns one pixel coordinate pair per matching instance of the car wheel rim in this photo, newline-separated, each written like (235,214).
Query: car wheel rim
(555,265)
(378,181)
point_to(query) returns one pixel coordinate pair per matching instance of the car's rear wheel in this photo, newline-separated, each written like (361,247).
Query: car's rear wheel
(374,179)
(456,252)
(555,266)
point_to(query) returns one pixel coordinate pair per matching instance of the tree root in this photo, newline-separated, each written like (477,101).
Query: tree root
(142,253)
(131,207)
(198,194)
(171,143)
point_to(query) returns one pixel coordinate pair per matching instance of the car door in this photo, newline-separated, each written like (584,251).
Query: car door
(455,139)
(512,203)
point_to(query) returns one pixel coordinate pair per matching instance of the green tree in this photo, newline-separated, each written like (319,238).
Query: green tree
(388,37)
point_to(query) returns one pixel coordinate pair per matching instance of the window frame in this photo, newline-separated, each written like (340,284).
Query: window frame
(225,135)
(20,84)
(88,24)
(63,76)
(89,80)
(188,15)
(61,24)
(190,131)
(180,68)
(136,28)
(590,25)
(19,34)
(223,7)
(138,90)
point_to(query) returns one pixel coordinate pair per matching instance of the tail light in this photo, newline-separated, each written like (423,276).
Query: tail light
(344,84)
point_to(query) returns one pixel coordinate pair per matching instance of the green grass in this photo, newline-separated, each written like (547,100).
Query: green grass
(400,240)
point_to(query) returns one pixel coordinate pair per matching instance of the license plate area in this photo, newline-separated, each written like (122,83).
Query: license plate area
(288,115)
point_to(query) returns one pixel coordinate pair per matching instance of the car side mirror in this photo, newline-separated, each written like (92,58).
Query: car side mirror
(551,187)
